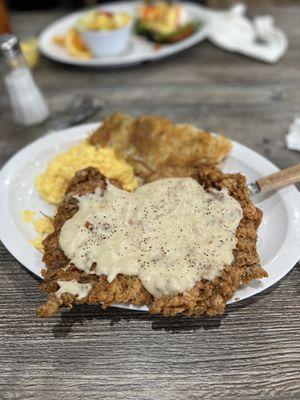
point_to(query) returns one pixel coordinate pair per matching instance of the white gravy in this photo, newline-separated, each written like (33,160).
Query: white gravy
(80,290)
(171,233)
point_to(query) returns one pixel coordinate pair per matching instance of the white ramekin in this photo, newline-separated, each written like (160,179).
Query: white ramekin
(105,43)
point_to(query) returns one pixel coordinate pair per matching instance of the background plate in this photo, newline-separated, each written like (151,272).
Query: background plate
(279,234)
(140,49)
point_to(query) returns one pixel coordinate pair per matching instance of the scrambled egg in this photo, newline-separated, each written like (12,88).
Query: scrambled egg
(43,227)
(52,184)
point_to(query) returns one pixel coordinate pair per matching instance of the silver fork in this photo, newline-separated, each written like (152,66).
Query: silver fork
(80,108)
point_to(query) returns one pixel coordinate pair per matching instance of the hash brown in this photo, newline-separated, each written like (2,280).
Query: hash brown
(151,142)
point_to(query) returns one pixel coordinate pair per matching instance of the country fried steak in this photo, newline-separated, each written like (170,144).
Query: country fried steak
(206,297)
(151,142)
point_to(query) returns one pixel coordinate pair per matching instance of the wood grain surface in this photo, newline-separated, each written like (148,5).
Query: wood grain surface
(253,351)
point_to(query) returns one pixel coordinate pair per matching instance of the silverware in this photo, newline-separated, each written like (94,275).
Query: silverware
(80,108)
(278,180)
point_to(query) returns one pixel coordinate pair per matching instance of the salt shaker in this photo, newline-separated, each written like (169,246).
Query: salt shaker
(28,104)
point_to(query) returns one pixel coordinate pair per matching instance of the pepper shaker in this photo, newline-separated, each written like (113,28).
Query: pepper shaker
(28,104)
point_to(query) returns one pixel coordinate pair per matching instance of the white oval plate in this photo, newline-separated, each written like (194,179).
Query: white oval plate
(279,234)
(140,49)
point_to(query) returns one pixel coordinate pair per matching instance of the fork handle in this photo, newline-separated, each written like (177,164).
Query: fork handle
(282,178)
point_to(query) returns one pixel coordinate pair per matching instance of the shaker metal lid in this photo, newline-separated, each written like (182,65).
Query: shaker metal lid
(9,45)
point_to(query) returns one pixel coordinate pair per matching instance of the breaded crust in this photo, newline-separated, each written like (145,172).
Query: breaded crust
(151,142)
(208,297)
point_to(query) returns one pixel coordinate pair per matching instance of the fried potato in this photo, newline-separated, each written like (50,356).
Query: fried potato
(150,143)
(73,44)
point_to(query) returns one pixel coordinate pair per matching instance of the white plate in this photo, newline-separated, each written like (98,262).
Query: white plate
(140,49)
(279,234)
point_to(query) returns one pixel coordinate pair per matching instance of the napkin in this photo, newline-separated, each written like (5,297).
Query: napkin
(260,39)
(293,137)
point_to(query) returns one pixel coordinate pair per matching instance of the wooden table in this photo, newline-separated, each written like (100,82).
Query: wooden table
(253,351)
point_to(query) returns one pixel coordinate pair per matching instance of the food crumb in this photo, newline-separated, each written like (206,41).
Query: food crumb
(28,216)
(43,226)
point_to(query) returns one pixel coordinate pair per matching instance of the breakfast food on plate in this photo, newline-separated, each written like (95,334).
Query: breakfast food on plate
(181,243)
(53,183)
(101,32)
(150,143)
(97,33)
(164,22)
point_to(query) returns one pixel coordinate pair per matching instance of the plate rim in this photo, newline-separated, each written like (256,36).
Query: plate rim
(290,194)
(193,40)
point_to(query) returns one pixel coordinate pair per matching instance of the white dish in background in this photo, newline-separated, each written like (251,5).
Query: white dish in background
(108,43)
(140,49)
(279,234)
